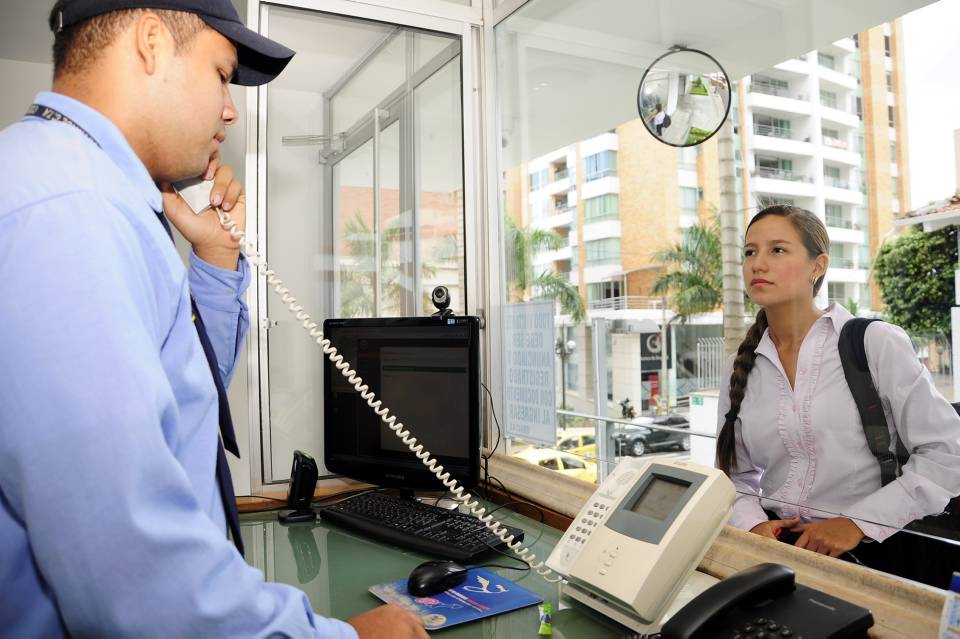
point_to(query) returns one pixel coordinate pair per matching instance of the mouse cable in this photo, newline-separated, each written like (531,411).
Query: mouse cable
(249,250)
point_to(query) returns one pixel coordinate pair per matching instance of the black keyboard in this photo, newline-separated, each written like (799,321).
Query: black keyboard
(428,529)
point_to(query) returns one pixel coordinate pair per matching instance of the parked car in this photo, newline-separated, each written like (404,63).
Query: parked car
(578,440)
(560,461)
(636,440)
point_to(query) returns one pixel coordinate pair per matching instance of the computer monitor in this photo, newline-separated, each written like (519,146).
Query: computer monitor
(427,372)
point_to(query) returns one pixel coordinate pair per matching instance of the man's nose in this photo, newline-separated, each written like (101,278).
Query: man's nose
(229,108)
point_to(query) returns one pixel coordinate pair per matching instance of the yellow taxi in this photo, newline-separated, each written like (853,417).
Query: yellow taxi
(581,441)
(560,461)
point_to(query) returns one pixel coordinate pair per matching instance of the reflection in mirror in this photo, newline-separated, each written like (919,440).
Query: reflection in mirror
(684,97)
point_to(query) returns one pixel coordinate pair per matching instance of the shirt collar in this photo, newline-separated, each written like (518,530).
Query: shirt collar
(110,139)
(835,314)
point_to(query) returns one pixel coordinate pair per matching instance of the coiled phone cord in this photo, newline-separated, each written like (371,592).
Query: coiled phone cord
(250,251)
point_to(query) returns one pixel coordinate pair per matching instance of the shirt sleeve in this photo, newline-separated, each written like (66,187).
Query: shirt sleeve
(86,468)
(928,426)
(219,297)
(747,511)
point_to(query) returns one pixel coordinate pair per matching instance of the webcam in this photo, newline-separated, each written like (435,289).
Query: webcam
(441,299)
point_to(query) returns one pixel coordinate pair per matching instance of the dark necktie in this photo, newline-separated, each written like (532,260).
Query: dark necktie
(227,435)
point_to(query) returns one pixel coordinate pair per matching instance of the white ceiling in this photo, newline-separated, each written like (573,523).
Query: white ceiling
(569,69)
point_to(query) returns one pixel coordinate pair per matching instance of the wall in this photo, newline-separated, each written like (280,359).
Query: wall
(21,83)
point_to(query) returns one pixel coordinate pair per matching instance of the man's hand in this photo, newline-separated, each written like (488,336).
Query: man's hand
(388,622)
(211,242)
(773,527)
(829,537)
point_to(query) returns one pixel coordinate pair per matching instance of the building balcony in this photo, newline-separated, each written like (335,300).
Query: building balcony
(594,272)
(846,44)
(561,185)
(603,142)
(838,78)
(780,182)
(560,217)
(835,150)
(839,116)
(847,194)
(601,230)
(626,303)
(609,184)
(562,253)
(777,140)
(841,222)
(798,65)
(778,101)
(853,275)
(845,235)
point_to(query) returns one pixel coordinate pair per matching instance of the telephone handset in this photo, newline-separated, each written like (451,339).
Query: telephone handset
(765,598)
(196,193)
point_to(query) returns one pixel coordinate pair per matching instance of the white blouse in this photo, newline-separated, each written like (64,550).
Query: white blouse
(802,451)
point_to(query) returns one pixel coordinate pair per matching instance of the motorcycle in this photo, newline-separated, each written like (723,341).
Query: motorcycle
(627,411)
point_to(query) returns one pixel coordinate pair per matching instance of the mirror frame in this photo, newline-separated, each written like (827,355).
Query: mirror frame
(726,113)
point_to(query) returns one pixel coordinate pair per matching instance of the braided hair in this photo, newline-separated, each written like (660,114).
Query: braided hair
(817,242)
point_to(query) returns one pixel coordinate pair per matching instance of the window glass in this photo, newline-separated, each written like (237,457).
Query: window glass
(808,129)
(324,229)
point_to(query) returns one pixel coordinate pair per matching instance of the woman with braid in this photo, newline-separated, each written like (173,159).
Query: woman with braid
(790,433)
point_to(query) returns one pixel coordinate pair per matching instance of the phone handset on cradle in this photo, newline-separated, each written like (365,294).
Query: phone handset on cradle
(196,193)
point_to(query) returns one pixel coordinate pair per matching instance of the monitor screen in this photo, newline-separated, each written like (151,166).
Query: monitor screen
(427,372)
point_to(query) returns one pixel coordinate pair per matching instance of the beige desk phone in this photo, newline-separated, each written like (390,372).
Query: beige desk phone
(632,550)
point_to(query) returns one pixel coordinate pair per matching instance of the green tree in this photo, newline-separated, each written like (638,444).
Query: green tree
(522,245)
(915,276)
(694,280)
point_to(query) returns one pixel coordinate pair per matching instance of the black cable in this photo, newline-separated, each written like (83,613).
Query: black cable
(513,557)
(260,497)
(495,420)
(502,485)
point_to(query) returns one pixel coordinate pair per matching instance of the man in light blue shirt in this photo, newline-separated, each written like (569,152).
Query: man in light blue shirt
(111,518)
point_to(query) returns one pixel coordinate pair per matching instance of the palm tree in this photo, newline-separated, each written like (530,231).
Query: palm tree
(695,279)
(522,245)
(357,277)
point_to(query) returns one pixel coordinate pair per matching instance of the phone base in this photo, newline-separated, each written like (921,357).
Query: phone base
(695,584)
(296,516)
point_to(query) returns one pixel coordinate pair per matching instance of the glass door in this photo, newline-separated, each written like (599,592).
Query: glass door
(363,212)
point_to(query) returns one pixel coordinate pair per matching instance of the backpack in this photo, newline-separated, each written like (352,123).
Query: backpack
(853,357)
(666,120)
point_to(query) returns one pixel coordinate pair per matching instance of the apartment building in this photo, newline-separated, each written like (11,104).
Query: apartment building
(826,131)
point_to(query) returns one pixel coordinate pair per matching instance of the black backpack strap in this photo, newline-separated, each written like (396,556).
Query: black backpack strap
(853,357)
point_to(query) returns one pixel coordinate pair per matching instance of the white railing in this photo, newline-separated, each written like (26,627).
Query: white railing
(632,302)
(709,361)
(781,174)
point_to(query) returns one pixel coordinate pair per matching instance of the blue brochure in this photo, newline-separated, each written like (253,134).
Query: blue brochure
(482,594)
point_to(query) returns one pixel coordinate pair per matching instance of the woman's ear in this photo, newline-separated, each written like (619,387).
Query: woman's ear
(820,265)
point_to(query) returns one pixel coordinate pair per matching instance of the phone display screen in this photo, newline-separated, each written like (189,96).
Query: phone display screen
(659,498)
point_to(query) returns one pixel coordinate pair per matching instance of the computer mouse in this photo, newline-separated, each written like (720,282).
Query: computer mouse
(432,577)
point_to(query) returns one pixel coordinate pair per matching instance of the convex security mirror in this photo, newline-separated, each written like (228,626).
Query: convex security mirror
(684,97)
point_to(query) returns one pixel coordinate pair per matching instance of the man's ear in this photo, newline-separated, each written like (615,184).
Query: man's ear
(152,40)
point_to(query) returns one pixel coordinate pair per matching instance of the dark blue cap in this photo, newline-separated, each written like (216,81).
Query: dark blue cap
(260,59)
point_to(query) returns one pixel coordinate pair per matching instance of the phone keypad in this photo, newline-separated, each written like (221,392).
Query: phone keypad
(762,628)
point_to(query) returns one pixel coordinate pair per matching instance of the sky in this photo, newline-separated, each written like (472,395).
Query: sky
(931,56)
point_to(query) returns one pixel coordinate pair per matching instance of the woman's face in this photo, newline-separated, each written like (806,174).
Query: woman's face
(776,265)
